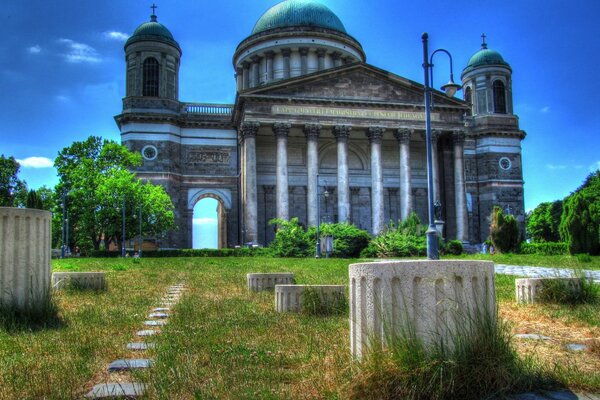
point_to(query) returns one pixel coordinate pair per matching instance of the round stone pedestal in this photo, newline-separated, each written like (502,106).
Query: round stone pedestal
(79,280)
(267,281)
(433,299)
(529,289)
(290,297)
(25,236)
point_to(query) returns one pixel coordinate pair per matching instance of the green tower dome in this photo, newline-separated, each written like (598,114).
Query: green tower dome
(152,30)
(485,57)
(298,13)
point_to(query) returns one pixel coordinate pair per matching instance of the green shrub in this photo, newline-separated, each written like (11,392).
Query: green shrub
(348,240)
(454,247)
(407,240)
(291,240)
(241,252)
(504,231)
(544,248)
(584,258)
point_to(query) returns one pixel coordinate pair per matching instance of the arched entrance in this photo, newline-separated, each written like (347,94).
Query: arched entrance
(208,214)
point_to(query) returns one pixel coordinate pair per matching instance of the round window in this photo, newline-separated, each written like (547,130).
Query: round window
(505,163)
(149,152)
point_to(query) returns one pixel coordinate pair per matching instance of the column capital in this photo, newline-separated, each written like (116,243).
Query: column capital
(435,134)
(303,51)
(269,54)
(268,189)
(341,132)
(245,64)
(312,131)
(458,137)
(403,135)
(255,58)
(281,129)
(336,55)
(249,129)
(321,52)
(354,190)
(375,134)
(286,52)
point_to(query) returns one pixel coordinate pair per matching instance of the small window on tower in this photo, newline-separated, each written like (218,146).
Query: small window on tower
(468,95)
(499,98)
(151,77)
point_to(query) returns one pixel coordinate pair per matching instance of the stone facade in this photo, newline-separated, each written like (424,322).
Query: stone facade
(310,120)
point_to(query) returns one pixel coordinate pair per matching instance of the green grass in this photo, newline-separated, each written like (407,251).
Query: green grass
(564,261)
(222,342)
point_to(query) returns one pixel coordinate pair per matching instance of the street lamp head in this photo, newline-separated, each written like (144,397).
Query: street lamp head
(451,88)
(326,193)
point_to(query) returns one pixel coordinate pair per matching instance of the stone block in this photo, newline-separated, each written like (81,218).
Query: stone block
(528,290)
(140,346)
(433,299)
(292,297)
(116,390)
(79,280)
(126,365)
(267,281)
(25,236)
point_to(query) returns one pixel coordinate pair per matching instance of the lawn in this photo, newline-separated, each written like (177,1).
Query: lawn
(224,342)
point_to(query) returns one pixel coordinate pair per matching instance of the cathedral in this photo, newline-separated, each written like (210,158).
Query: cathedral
(319,134)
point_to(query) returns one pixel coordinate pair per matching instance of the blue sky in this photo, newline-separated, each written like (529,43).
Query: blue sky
(62,68)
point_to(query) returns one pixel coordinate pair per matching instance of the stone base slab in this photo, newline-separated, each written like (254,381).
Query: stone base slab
(79,280)
(291,297)
(267,281)
(528,290)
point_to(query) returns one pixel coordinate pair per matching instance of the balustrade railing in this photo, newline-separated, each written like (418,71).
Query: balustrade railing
(208,109)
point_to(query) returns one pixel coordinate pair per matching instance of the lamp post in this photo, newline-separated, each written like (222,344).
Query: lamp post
(123,230)
(141,238)
(450,88)
(318,249)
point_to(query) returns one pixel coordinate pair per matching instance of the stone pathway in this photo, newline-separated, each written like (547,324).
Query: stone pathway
(558,395)
(159,317)
(542,272)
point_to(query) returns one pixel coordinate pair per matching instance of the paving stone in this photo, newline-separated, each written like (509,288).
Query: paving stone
(533,336)
(147,332)
(125,365)
(161,309)
(158,315)
(155,323)
(110,390)
(576,347)
(140,346)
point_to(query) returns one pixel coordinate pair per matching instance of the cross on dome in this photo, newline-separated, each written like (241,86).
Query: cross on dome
(483,43)
(153,16)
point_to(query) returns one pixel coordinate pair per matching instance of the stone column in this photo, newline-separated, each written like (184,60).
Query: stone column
(375,134)
(281,131)
(286,62)
(406,206)
(337,60)
(245,75)
(460,199)
(435,135)
(256,70)
(342,132)
(269,59)
(312,132)
(248,132)
(239,78)
(303,60)
(321,55)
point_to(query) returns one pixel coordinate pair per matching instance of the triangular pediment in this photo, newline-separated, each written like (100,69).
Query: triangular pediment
(356,82)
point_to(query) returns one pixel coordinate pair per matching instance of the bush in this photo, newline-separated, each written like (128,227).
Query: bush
(291,240)
(504,231)
(348,240)
(241,252)
(454,247)
(407,240)
(544,248)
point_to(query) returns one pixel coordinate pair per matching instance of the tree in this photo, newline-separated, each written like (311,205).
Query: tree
(580,221)
(544,221)
(95,181)
(10,185)
(34,200)
(504,231)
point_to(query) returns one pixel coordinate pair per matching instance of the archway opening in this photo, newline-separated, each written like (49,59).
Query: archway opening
(205,233)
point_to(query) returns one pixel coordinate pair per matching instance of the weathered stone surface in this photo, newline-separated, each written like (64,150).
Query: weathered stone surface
(155,323)
(435,298)
(147,332)
(158,315)
(112,390)
(528,290)
(532,336)
(161,309)
(290,297)
(576,347)
(125,365)
(79,280)
(267,281)
(25,236)
(140,346)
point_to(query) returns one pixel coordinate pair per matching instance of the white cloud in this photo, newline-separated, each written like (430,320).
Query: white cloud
(545,109)
(595,166)
(34,49)
(80,52)
(555,167)
(62,98)
(205,221)
(36,162)
(114,35)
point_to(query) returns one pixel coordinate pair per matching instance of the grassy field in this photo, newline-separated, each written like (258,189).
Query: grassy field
(224,342)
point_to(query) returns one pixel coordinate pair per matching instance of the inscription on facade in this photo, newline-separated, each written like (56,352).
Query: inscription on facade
(209,156)
(352,113)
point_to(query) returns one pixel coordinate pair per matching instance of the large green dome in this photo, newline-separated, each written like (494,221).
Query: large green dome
(298,13)
(152,30)
(486,56)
